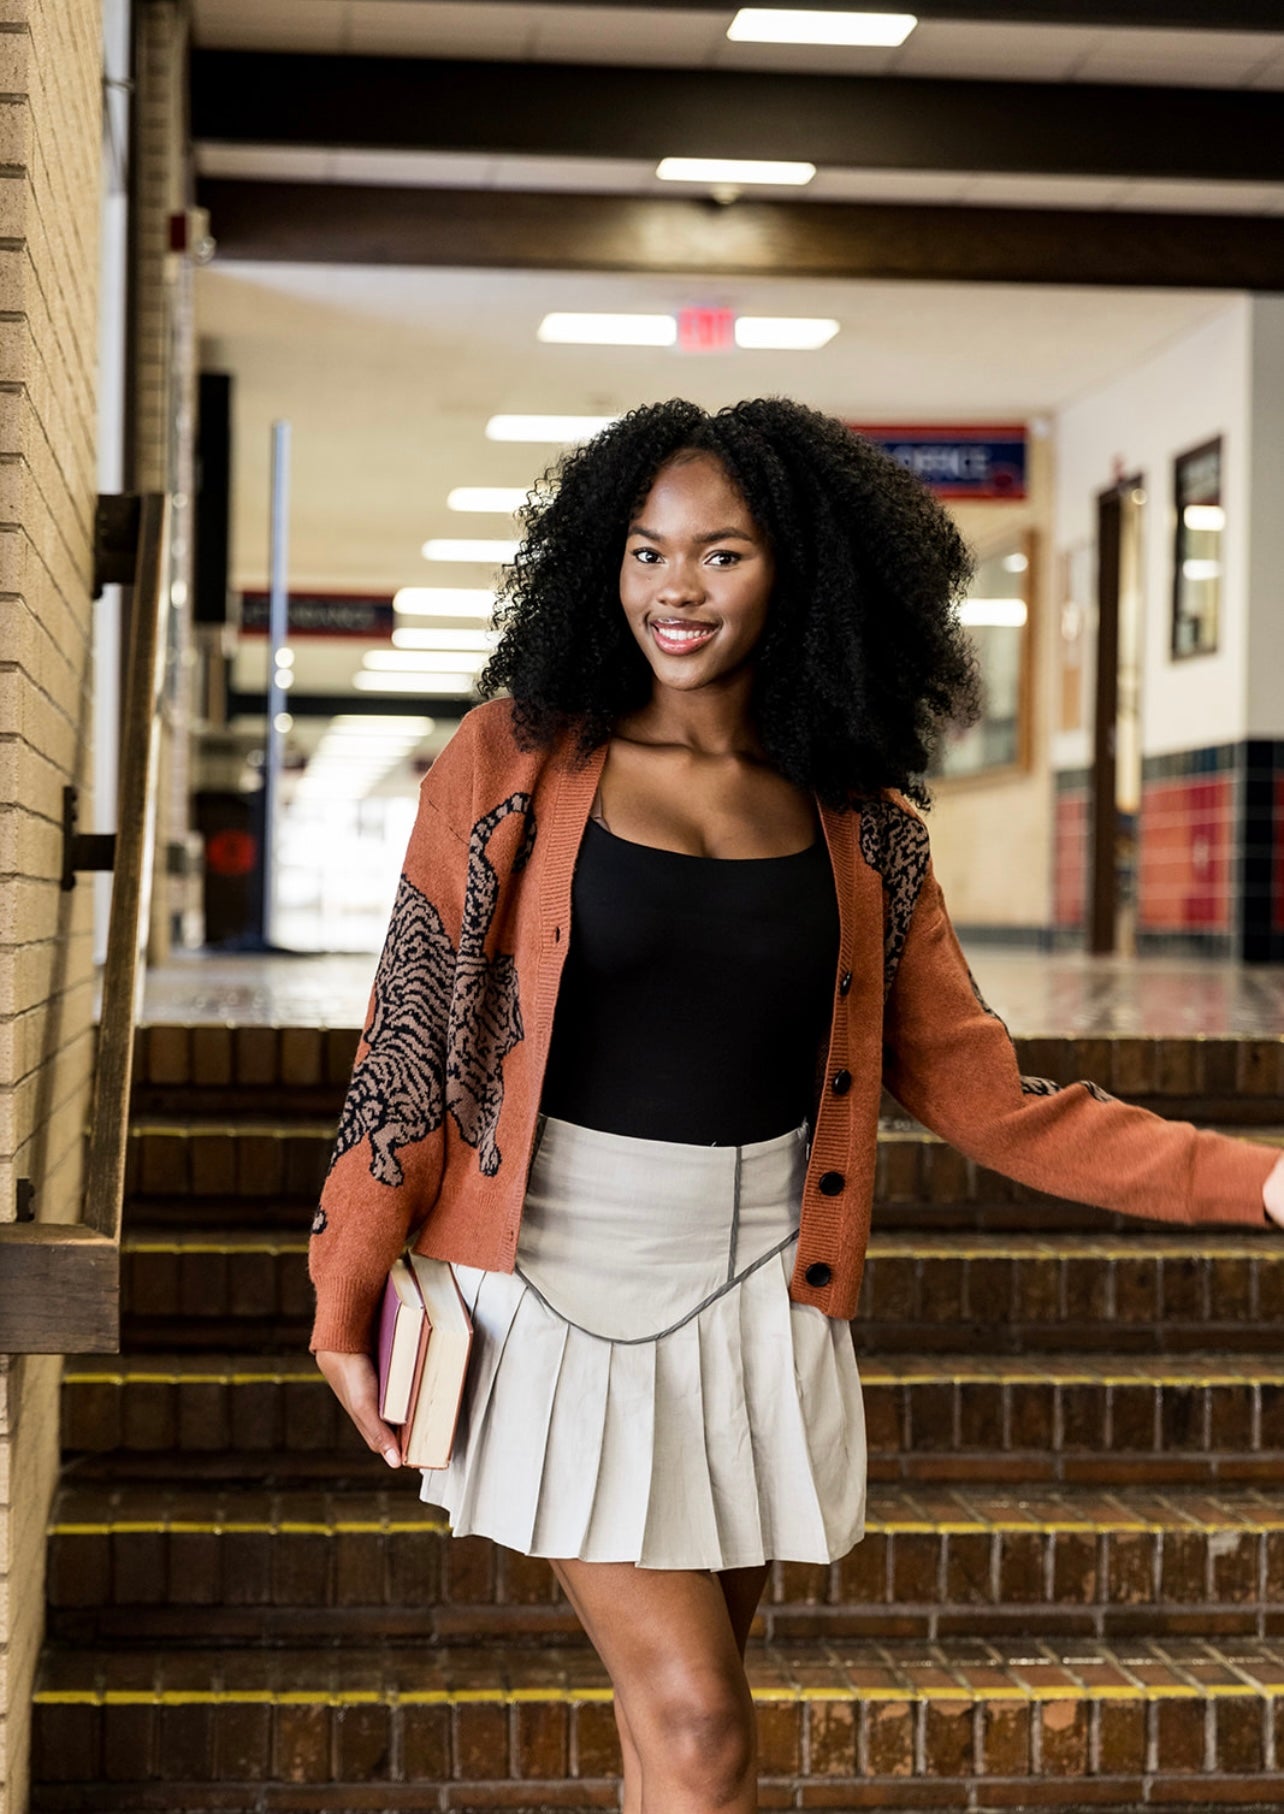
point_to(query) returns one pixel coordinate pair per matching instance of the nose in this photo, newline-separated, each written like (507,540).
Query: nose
(682,584)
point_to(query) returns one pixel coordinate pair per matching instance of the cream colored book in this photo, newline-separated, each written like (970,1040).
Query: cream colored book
(428,1432)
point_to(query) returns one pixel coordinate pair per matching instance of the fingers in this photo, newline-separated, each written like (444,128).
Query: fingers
(356,1386)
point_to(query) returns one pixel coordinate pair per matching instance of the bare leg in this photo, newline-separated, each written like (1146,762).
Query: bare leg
(667,1639)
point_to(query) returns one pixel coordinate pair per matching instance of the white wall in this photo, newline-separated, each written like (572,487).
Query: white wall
(991,836)
(1264,697)
(1194,388)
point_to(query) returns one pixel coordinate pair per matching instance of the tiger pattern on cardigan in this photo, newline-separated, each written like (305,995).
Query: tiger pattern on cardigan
(895,843)
(442,1021)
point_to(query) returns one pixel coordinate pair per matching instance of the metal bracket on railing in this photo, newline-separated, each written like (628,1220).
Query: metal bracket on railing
(82,849)
(116,525)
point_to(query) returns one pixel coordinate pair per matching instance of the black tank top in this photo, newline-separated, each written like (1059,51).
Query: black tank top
(693,993)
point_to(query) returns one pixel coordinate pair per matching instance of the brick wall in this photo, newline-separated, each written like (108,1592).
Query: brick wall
(50,52)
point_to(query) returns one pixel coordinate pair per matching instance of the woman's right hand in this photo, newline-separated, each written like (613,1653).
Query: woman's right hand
(355,1384)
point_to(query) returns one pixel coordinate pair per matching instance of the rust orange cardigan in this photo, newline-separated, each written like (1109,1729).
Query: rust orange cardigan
(439,1119)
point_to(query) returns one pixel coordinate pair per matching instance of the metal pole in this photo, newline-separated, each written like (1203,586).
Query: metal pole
(278,631)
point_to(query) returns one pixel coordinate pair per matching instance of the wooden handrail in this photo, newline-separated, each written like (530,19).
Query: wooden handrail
(60,1281)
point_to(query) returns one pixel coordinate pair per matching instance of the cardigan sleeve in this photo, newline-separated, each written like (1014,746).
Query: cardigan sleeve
(386,1166)
(949,1060)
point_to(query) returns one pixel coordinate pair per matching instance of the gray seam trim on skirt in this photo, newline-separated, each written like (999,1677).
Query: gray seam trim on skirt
(735,1219)
(631,1340)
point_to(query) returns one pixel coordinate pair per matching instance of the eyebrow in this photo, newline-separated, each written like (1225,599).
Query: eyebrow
(714,535)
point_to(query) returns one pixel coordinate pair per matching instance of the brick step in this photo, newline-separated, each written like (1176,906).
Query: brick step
(269,1174)
(148,1563)
(1105,1419)
(1138,1293)
(964,1723)
(183,1065)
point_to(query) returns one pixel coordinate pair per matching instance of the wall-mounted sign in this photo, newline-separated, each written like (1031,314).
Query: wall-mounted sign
(706,330)
(958,461)
(368,616)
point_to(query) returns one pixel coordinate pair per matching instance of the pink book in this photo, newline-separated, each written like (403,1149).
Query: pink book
(425,1338)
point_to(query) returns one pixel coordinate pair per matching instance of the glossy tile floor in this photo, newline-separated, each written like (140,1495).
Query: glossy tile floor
(1036,993)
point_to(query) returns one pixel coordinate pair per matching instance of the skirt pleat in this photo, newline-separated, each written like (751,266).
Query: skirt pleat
(734,1436)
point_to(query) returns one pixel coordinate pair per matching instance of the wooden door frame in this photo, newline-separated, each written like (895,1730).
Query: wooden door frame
(1102,903)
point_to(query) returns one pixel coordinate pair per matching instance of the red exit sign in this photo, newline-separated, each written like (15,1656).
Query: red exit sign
(706,330)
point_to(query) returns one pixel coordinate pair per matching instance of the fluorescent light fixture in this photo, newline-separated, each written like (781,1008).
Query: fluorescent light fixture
(732,170)
(545,428)
(787,333)
(367,682)
(381,724)
(1203,516)
(778,25)
(420,661)
(472,642)
(443,601)
(448,548)
(609,330)
(503,498)
(992,613)
(1201,569)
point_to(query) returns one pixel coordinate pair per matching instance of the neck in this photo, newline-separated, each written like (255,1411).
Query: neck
(714,720)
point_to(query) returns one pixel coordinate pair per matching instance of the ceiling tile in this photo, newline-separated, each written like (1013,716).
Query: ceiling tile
(415,169)
(267,163)
(440,28)
(995,191)
(619,176)
(627,34)
(806,59)
(303,25)
(1035,53)
(1200,198)
(1189,59)
(887,185)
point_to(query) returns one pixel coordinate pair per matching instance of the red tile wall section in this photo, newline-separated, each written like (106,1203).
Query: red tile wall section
(1070,859)
(1187,844)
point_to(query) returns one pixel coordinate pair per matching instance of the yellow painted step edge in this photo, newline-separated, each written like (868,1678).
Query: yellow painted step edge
(176,1697)
(1122,1526)
(872,1372)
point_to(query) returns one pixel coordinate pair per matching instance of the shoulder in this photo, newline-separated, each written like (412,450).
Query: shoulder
(894,841)
(894,797)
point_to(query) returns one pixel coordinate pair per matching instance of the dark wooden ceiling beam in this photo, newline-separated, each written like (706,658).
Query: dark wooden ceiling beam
(351,224)
(1150,15)
(874,122)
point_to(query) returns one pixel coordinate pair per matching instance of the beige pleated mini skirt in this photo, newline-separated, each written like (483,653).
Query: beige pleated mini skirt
(641,1387)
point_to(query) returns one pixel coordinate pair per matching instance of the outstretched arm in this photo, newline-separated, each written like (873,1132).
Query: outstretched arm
(949,1060)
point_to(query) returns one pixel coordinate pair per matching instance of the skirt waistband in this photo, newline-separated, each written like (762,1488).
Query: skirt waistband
(626,1238)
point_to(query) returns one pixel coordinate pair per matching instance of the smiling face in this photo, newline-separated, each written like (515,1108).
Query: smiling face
(696,576)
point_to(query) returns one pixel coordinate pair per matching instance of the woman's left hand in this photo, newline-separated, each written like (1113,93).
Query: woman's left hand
(1273,1192)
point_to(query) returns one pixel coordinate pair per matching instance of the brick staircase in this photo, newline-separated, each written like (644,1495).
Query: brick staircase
(1071,1593)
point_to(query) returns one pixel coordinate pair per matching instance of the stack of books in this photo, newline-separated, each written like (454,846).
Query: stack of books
(425,1336)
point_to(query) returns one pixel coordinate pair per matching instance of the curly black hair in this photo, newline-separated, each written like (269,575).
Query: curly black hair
(862,659)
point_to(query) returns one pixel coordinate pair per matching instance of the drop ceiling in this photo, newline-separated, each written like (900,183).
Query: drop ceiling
(691,38)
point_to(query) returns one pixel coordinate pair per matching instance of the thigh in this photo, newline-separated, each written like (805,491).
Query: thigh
(665,1635)
(742,1590)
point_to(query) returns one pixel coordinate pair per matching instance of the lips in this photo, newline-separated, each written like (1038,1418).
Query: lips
(681,635)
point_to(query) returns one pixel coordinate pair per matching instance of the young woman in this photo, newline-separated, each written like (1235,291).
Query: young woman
(667,923)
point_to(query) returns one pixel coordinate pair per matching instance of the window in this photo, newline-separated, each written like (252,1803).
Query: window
(1197,554)
(997,614)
